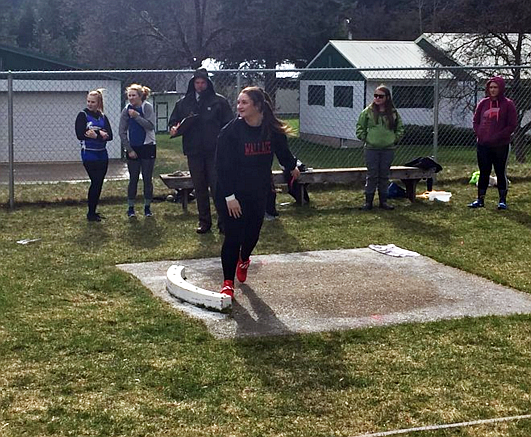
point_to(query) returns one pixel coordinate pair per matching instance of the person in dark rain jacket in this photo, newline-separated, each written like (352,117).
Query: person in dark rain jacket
(208,113)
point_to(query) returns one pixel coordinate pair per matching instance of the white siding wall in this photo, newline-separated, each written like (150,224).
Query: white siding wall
(328,120)
(451,111)
(44,116)
(287,101)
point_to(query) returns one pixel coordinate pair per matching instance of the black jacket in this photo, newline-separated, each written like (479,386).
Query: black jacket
(244,158)
(214,112)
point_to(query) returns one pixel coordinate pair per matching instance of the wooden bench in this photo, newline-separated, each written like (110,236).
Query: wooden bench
(410,176)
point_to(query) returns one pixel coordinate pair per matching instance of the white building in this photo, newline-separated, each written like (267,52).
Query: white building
(330,102)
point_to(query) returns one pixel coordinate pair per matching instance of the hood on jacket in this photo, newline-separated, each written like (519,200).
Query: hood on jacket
(498,80)
(203,74)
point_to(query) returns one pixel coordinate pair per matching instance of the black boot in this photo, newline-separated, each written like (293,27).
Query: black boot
(383,202)
(502,204)
(480,201)
(369,199)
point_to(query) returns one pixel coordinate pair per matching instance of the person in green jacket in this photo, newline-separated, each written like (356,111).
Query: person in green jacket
(379,127)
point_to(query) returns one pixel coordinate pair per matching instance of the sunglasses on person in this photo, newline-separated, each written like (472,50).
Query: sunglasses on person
(379,96)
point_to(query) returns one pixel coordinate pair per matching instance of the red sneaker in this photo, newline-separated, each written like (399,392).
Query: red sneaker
(228,288)
(241,269)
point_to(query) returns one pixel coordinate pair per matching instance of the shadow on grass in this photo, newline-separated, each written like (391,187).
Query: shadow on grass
(300,364)
(93,234)
(278,239)
(520,217)
(144,233)
(417,226)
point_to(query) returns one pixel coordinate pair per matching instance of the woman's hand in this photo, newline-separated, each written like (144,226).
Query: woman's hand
(295,173)
(173,129)
(91,133)
(133,113)
(132,154)
(104,135)
(234,208)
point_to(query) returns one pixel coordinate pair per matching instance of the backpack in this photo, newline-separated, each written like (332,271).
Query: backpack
(425,163)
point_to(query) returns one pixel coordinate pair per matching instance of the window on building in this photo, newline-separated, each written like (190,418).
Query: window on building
(343,96)
(316,95)
(413,96)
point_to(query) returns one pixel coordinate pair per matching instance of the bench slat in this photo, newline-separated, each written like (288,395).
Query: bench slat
(409,175)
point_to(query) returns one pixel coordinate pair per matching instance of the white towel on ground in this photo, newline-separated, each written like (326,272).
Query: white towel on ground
(391,249)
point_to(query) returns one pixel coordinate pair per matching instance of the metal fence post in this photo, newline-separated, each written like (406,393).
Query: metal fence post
(238,82)
(436,114)
(11,150)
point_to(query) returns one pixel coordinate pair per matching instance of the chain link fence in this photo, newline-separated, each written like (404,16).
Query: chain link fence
(38,142)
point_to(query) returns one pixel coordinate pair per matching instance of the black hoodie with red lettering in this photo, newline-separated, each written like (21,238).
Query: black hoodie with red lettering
(495,119)
(244,157)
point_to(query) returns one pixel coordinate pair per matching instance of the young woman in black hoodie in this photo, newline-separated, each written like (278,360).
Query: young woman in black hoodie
(245,150)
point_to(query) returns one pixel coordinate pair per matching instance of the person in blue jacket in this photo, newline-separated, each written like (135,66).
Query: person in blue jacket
(137,134)
(93,130)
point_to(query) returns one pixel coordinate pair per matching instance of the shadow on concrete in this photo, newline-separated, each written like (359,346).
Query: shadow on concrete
(263,321)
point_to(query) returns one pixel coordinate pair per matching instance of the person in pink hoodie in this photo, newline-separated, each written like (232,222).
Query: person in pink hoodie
(494,122)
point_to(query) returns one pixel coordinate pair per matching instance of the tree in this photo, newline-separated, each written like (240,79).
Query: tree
(266,33)
(186,31)
(499,38)
(162,34)
(26,27)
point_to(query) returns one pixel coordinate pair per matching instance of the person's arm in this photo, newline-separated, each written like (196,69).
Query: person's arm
(477,119)
(225,162)
(148,120)
(361,126)
(122,130)
(399,132)
(81,126)
(284,155)
(512,119)
(176,115)
(108,129)
(226,112)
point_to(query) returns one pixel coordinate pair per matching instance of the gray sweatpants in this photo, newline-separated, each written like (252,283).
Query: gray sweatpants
(135,166)
(378,163)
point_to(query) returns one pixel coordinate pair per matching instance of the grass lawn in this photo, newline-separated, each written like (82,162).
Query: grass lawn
(85,350)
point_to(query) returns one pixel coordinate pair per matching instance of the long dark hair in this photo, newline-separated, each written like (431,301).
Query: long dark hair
(389,109)
(270,123)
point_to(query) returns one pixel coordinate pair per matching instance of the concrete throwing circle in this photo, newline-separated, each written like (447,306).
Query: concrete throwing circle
(333,290)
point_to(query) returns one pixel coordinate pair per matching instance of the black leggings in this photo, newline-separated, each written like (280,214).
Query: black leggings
(241,234)
(96,171)
(489,157)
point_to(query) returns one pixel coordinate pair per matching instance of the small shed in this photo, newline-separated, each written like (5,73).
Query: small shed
(331,101)
(45,106)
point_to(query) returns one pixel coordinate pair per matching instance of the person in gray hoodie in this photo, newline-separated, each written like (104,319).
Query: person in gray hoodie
(494,122)
(137,135)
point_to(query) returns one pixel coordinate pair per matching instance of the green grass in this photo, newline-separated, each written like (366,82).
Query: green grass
(85,349)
